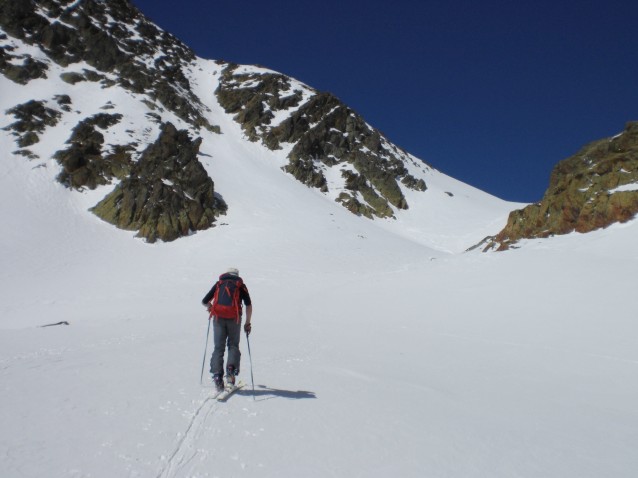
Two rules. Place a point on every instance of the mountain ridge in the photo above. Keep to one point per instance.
(145, 79)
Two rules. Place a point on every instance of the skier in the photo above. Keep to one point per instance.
(224, 304)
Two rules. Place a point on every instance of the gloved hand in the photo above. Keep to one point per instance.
(247, 328)
(209, 309)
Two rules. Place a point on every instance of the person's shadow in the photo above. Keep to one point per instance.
(265, 393)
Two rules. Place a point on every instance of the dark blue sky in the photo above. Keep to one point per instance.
(493, 93)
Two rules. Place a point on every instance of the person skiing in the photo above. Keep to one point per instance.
(224, 304)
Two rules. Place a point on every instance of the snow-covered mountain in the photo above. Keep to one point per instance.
(97, 93)
(379, 347)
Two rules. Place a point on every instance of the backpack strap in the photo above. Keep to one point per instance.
(237, 298)
(214, 301)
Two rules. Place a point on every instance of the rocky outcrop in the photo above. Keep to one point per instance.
(324, 133)
(84, 163)
(168, 194)
(32, 118)
(254, 98)
(20, 68)
(596, 187)
(113, 38)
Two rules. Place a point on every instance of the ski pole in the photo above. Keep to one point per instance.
(201, 377)
(250, 358)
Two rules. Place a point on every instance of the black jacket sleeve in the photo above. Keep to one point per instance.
(244, 295)
(208, 297)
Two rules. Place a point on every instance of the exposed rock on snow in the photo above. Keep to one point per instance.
(84, 162)
(321, 133)
(168, 193)
(112, 37)
(585, 192)
(32, 118)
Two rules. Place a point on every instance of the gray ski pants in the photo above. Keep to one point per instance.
(225, 332)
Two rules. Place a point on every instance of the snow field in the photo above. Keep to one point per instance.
(364, 364)
(378, 347)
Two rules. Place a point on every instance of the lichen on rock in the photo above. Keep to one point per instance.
(168, 193)
(589, 190)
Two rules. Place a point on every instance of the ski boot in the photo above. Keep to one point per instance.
(231, 372)
(219, 382)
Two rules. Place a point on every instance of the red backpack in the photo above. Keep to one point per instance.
(227, 298)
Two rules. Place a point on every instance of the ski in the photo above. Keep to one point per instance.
(228, 391)
(217, 393)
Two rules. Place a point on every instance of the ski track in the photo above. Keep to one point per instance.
(185, 450)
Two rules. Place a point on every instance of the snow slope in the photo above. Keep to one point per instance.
(378, 348)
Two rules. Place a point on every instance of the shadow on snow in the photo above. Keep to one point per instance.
(265, 393)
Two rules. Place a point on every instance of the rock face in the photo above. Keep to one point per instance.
(84, 163)
(112, 37)
(594, 188)
(168, 193)
(26, 70)
(321, 133)
(32, 118)
(161, 191)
